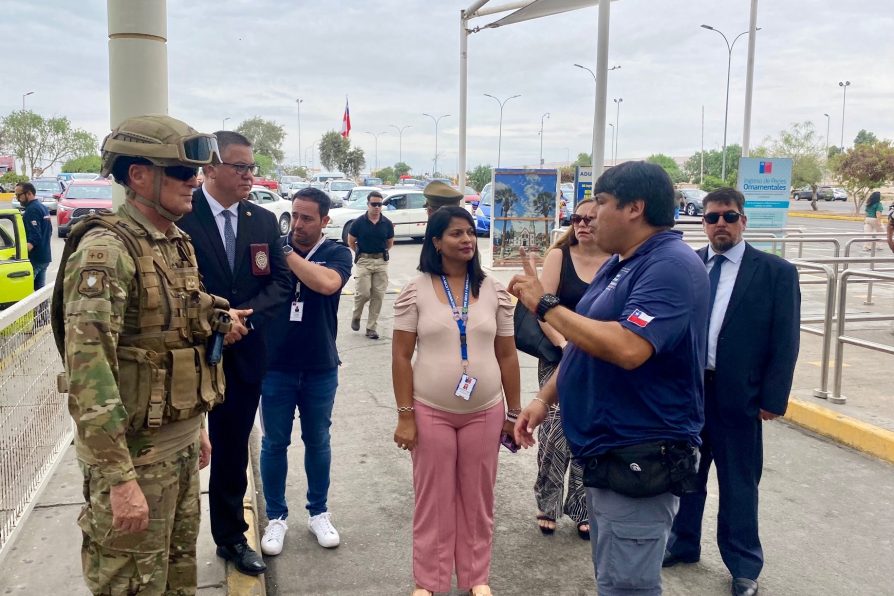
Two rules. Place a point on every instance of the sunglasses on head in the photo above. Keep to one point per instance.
(182, 173)
(728, 217)
(377, 204)
(576, 219)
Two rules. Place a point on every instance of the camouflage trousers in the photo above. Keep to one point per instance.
(160, 560)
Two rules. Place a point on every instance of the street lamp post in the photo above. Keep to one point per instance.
(729, 62)
(436, 121)
(546, 115)
(500, 135)
(223, 124)
(24, 95)
(592, 74)
(844, 87)
(298, 102)
(400, 140)
(617, 101)
(828, 122)
(375, 135)
(612, 150)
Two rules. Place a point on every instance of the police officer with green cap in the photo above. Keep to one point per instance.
(437, 195)
(141, 339)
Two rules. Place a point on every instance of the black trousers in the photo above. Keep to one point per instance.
(737, 451)
(229, 426)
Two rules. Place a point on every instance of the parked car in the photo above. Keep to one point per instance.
(823, 193)
(691, 200)
(483, 210)
(16, 273)
(266, 183)
(289, 185)
(356, 197)
(404, 207)
(48, 191)
(326, 177)
(80, 199)
(372, 181)
(338, 190)
(274, 203)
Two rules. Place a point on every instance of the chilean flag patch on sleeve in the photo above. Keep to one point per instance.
(639, 318)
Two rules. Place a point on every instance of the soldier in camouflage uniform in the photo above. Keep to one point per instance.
(133, 324)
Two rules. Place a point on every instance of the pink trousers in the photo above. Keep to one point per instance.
(454, 472)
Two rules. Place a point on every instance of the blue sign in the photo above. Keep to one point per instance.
(766, 183)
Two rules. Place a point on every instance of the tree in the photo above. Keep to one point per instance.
(544, 202)
(566, 174)
(87, 163)
(37, 140)
(299, 171)
(864, 137)
(401, 169)
(802, 144)
(670, 166)
(266, 167)
(387, 174)
(354, 162)
(714, 165)
(864, 168)
(583, 159)
(266, 137)
(333, 150)
(478, 177)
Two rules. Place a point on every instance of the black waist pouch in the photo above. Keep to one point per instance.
(644, 470)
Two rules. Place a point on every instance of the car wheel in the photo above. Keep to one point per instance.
(284, 221)
(418, 238)
(691, 210)
(344, 232)
(828, 199)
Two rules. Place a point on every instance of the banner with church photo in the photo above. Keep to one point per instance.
(523, 214)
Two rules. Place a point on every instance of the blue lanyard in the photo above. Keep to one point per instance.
(461, 318)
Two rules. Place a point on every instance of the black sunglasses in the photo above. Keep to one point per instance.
(182, 173)
(576, 219)
(728, 217)
(375, 204)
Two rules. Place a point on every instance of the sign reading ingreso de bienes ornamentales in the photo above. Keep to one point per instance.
(766, 183)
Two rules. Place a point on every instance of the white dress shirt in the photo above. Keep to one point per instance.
(724, 290)
(217, 209)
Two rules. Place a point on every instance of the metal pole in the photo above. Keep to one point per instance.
(701, 175)
(598, 145)
(546, 115)
(400, 140)
(612, 152)
(463, 96)
(298, 101)
(500, 136)
(617, 101)
(223, 125)
(749, 80)
(137, 43)
(435, 165)
(24, 95)
(844, 86)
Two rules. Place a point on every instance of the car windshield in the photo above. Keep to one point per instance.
(341, 186)
(694, 193)
(89, 192)
(373, 181)
(84, 176)
(47, 186)
(290, 179)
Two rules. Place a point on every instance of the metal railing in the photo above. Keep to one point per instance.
(826, 331)
(35, 426)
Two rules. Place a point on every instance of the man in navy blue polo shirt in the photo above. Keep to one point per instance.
(302, 373)
(38, 230)
(632, 372)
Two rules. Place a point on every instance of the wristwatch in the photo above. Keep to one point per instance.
(287, 250)
(547, 302)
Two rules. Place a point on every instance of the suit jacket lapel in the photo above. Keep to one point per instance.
(743, 280)
(242, 239)
(210, 231)
(703, 254)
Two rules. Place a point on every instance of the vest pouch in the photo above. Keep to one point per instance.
(183, 387)
(213, 382)
(141, 386)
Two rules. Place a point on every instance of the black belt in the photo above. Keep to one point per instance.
(373, 255)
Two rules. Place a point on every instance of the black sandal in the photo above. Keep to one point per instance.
(543, 529)
(584, 534)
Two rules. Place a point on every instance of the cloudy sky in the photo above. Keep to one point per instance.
(396, 59)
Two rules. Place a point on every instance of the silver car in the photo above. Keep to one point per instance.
(48, 191)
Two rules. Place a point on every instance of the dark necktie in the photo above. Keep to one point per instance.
(230, 239)
(714, 279)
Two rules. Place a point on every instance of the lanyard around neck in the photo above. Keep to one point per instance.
(306, 258)
(461, 317)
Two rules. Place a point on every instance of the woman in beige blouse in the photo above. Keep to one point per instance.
(450, 404)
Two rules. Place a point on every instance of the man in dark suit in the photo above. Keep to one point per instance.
(753, 338)
(240, 259)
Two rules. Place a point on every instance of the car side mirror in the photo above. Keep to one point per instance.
(57, 196)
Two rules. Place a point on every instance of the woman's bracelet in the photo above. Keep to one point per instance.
(546, 405)
(402, 409)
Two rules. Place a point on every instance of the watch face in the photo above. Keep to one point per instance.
(286, 249)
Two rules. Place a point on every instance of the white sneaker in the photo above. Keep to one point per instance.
(274, 535)
(321, 527)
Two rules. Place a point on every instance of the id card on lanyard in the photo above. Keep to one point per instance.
(296, 313)
(466, 384)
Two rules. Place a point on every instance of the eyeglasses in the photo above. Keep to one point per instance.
(182, 173)
(244, 168)
(577, 219)
(375, 204)
(728, 217)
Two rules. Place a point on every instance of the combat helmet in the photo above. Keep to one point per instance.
(162, 141)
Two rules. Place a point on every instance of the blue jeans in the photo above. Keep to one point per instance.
(40, 275)
(313, 394)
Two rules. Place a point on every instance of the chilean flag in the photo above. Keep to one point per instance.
(346, 121)
(639, 318)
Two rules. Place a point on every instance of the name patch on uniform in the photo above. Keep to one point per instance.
(639, 318)
(260, 259)
(92, 283)
(98, 255)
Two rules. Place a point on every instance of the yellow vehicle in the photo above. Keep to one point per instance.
(16, 274)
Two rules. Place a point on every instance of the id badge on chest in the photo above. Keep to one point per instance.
(465, 387)
(297, 311)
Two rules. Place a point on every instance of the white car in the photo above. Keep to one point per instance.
(405, 207)
(356, 197)
(338, 190)
(272, 202)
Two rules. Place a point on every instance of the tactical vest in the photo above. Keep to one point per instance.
(163, 375)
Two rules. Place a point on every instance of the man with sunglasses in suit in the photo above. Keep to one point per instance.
(239, 255)
(753, 338)
(371, 237)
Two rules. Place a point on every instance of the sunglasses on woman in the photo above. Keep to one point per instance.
(576, 219)
(728, 217)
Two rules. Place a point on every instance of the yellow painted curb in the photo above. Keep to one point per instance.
(825, 216)
(239, 584)
(843, 429)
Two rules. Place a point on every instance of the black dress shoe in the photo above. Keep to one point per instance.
(245, 559)
(372, 334)
(742, 586)
(671, 559)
